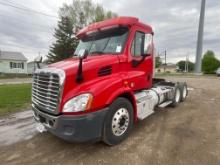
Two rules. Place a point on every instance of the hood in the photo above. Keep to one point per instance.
(90, 63)
(93, 67)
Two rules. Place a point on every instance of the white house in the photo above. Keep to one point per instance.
(12, 62)
(32, 66)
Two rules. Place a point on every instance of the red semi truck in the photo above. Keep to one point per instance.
(106, 87)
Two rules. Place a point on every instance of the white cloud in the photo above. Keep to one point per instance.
(181, 12)
(28, 32)
(175, 23)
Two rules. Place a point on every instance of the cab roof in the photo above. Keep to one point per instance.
(111, 23)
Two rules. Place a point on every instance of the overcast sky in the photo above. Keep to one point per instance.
(175, 23)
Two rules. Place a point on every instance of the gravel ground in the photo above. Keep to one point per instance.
(15, 81)
(187, 135)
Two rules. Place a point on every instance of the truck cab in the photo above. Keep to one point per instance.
(106, 87)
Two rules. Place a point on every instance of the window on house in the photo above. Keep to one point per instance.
(16, 65)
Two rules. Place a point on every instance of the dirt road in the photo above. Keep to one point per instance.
(187, 135)
(15, 81)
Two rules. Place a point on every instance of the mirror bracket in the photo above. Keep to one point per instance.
(38, 60)
(82, 55)
(135, 63)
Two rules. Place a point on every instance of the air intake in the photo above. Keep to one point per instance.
(107, 70)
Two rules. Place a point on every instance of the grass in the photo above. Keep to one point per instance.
(14, 98)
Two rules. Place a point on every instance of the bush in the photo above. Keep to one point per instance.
(181, 65)
(210, 63)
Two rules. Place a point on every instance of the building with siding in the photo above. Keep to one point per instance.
(12, 62)
(32, 66)
(169, 68)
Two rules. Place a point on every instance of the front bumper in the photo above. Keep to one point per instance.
(80, 128)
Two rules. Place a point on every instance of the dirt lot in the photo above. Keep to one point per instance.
(188, 134)
(16, 81)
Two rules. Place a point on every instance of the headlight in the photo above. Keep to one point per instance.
(79, 103)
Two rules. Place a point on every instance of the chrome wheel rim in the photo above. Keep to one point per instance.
(177, 97)
(120, 121)
(184, 92)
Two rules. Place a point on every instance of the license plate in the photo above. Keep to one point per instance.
(40, 127)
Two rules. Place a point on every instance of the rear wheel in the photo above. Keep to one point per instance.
(177, 96)
(184, 91)
(119, 121)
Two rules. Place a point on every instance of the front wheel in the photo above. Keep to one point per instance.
(119, 121)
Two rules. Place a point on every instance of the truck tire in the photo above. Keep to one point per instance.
(177, 96)
(184, 91)
(118, 122)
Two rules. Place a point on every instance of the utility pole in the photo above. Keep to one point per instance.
(187, 64)
(199, 49)
(165, 57)
(34, 67)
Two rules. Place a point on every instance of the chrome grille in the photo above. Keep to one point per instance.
(46, 90)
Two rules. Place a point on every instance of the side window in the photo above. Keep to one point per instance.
(11, 65)
(136, 44)
(148, 44)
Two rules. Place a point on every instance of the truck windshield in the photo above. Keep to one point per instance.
(104, 42)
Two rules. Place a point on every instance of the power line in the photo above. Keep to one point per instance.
(27, 9)
(21, 7)
(12, 2)
(48, 28)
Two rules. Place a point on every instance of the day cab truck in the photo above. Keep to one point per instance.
(106, 87)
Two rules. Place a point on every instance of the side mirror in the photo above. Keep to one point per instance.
(38, 59)
(146, 48)
(147, 45)
(83, 54)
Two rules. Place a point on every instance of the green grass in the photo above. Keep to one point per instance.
(14, 98)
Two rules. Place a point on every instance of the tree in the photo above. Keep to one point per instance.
(210, 63)
(65, 41)
(181, 65)
(84, 12)
(74, 17)
(158, 62)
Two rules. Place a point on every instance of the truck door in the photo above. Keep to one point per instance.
(141, 67)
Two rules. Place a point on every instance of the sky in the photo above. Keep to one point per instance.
(175, 23)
